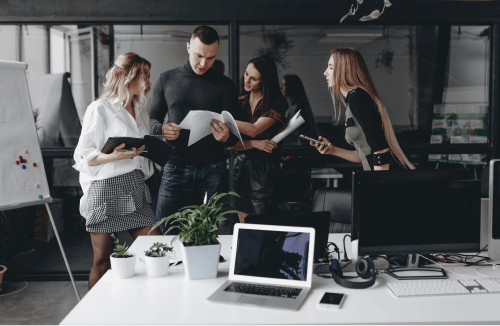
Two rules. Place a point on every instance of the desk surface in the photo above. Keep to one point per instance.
(176, 300)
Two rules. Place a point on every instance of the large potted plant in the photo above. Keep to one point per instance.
(122, 262)
(198, 236)
(157, 259)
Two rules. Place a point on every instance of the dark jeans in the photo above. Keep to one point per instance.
(183, 186)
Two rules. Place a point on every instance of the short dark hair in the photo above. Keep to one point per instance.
(206, 34)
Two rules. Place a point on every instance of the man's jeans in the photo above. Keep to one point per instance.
(184, 186)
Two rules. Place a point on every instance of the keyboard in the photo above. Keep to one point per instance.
(444, 287)
(269, 290)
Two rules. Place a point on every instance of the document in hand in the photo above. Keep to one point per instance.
(293, 124)
(198, 121)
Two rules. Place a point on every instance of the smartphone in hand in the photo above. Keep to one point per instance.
(311, 139)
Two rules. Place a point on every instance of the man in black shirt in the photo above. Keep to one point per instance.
(198, 169)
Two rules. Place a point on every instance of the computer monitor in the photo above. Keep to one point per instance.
(416, 212)
(320, 221)
(494, 211)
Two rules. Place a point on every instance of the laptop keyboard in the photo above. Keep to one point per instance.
(269, 290)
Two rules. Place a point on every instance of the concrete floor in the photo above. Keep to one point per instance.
(40, 303)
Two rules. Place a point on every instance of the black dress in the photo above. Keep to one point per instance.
(256, 173)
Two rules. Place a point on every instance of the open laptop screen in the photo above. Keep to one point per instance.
(272, 254)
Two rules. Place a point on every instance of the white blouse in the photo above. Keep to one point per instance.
(106, 118)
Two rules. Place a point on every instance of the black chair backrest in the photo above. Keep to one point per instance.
(337, 201)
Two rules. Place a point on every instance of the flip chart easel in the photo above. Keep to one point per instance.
(22, 172)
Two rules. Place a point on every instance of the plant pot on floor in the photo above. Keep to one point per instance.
(3, 269)
(123, 266)
(201, 262)
(157, 266)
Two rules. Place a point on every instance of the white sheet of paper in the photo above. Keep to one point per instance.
(198, 121)
(293, 124)
(231, 124)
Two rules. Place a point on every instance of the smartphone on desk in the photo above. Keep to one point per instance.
(311, 139)
(331, 300)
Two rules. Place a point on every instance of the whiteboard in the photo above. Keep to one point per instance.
(17, 135)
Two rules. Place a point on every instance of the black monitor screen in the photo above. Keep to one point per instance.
(272, 254)
(495, 197)
(404, 217)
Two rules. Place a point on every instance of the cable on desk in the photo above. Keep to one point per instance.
(442, 266)
(335, 249)
(345, 251)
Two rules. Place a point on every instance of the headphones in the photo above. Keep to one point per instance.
(364, 269)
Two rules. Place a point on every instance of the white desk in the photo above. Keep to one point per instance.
(327, 173)
(176, 300)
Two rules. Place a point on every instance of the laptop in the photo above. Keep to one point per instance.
(271, 266)
(320, 221)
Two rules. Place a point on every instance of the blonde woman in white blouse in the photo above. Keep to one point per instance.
(115, 197)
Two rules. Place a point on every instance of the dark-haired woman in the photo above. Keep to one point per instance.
(293, 90)
(257, 169)
(368, 127)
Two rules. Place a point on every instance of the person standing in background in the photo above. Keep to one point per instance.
(293, 90)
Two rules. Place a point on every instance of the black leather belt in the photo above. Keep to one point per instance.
(380, 159)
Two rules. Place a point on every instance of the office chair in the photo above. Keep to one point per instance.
(337, 201)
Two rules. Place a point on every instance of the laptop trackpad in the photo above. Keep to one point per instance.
(252, 300)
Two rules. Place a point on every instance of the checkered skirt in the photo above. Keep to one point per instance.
(119, 203)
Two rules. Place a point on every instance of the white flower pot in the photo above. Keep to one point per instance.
(123, 267)
(201, 262)
(157, 266)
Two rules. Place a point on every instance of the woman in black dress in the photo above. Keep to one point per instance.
(368, 127)
(257, 168)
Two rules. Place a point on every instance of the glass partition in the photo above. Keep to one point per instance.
(415, 69)
(164, 45)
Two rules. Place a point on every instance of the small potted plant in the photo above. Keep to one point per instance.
(198, 236)
(158, 260)
(122, 262)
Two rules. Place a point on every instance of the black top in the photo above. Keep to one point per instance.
(276, 112)
(181, 90)
(366, 112)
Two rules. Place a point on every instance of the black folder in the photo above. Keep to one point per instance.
(158, 150)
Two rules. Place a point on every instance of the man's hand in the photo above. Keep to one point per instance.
(171, 130)
(219, 130)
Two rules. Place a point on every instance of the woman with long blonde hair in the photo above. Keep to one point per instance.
(368, 127)
(115, 196)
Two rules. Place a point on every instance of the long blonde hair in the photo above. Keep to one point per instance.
(350, 71)
(126, 68)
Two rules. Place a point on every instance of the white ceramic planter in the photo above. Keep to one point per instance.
(157, 266)
(123, 267)
(201, 262)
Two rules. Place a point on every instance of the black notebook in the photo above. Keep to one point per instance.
(157, 150)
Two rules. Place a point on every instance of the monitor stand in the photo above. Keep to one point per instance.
(413, 272)
(490, 271)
